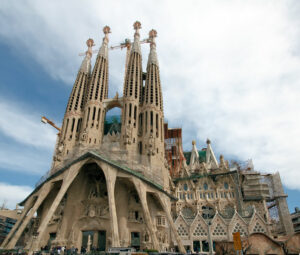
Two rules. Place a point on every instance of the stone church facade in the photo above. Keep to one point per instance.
(112, 185)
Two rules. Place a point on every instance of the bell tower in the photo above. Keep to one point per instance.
(72, 122)
(132, 95)
(152, 116)
(94, 112)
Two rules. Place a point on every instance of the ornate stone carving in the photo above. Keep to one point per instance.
(57, 216)
(128, 135)
(151, 145)
(97, 203)
(83, 136)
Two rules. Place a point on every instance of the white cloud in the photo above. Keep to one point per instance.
(10, 195)
(24, 159)
(230, 70)
(24, 126)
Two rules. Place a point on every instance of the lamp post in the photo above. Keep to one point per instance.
(206, 213)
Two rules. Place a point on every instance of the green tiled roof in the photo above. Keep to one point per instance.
(112, 124)
(202, 156)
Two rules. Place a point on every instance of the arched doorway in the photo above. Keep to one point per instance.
(87, 210)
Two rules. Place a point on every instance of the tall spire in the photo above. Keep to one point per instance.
(72, 122)
(97, 91)
(133, 81)
(132, 94)
(153, 93)
(152, 111)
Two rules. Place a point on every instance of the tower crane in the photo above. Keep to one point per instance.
(126, 44)
(47, 121)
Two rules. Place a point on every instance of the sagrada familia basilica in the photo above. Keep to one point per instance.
(128, 183)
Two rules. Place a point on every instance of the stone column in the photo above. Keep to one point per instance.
(28, 205)
(69, 177)
(41, 197)
(111, 175)
(141, 189)
(167, 210)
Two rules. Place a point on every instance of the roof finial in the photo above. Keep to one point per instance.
(90, 44)
(86, 62)
(208, 141)
(152, 35)
(136, 47)
(193, 142)
(137, 26)
(106, 31)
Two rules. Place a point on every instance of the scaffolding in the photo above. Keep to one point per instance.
(173, 150)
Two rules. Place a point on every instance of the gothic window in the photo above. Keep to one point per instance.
(161, 221)
(182, 231)
(94, 113)
(146, 122)
(239, 228)
(66, 129)
(156, 124)
(134, 112)
(226, 186)
(88, 116)
(151, 118)
(199, 231)
(205, 186)
(258, 228)
(78, 125)
(219, 231)
(73, 123)
(185, 187)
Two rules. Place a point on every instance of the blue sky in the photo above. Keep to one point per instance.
(229, 73)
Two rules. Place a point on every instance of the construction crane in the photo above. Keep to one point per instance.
(47, 121)
(126, 44)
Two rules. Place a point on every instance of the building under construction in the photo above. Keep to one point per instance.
(126, 182)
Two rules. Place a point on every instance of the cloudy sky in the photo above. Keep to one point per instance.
(230, 72)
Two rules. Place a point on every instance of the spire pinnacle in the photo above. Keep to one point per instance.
(152, 35)
(106, 31)
(104, 49)
(86, 63)
(136, 47)
(137, 26)
(90, 44)
(152, 55)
